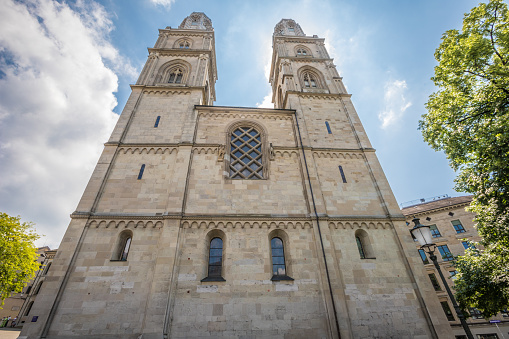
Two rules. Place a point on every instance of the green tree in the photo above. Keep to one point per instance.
(17, 255)
(468, 119)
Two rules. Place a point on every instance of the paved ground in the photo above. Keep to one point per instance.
(7, 333)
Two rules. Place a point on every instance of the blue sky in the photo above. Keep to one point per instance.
(66, 66)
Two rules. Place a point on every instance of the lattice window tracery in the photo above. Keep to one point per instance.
(310, 80)
(176, 76)
(246, 155)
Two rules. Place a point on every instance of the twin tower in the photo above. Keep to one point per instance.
(204, 221)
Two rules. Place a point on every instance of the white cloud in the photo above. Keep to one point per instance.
(395, 103)
(164, 3)
(56, 101)
(267, 102)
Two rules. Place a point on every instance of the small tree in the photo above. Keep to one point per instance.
(18, 257)
(468, 119)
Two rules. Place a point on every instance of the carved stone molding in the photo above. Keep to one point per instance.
(286, 153)
(205, 149)
(118, 223)
(338, 155)
(148, 150)
(245, 116)
(169, 91)
(206, 224)
(359, 224)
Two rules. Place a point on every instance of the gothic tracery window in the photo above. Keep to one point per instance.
(309, 80)
(246, 156)
(184, 44)
(176, 76)
(301, 51)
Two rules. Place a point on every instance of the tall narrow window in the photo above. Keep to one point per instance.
(142, 169)
(328, 127)
(123, 245)
(423, 257)
(360, 247)
(215, 258)
(246, 158)
(447, 310)
(342, 174)
(176, 76)
(29, 308)
(278, 260)
(157, 121)
(434, 282)
(364, 244)
(47, 269)
(38, 288)
(435, 233)
(125, 250)
(446, 254)
(453, 274)
(458, 227)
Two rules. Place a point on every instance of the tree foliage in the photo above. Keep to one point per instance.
(468, 119)
(17, 255)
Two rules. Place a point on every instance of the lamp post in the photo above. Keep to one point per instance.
(423, 235)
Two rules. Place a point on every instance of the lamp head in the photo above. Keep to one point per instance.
(422, 233)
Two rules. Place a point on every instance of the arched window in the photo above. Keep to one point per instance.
(364, 245)
(47, 268)
(278, 259)
(309, 80)
(38, 288)
(280, 98)
(29, 308)
(183, 43)
(246, 155)
(176, 75)
(301, 52)
(123, 245)
(215, 264)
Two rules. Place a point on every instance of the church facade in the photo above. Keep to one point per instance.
(227, 222)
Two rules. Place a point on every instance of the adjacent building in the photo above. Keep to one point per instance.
(15, 304)
(453, 230)
(237, 222)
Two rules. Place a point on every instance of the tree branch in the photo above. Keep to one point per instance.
(493, 41)
(489, 79)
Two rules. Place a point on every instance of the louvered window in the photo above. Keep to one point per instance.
(246, 159)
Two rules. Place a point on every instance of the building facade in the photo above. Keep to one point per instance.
(209, 221)
(13, 305)
(452, 228)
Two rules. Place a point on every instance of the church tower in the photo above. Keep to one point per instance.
(212, 221)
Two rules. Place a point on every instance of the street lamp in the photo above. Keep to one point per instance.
(423, 235)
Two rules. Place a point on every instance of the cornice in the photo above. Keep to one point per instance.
(233, 109)
(334, 96)
(186, 32)
(299, 39)
(436, 210)
(305, 58)
(179, 51)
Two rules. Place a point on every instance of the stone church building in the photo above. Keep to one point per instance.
(204, 221)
